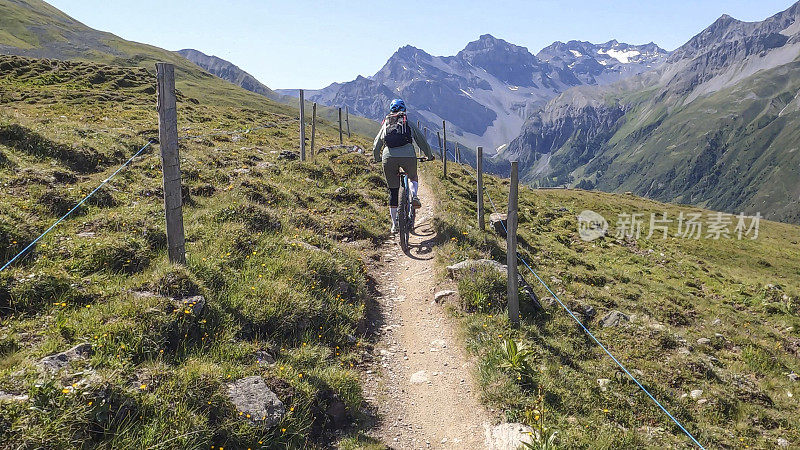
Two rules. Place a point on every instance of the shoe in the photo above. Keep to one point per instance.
(395, 226)
(415, 202)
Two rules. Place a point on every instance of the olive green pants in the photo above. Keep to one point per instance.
(391, 169)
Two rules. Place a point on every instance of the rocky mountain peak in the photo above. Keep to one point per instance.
(408, 53)
(510, 63)
(748, 38)
(487, 43)
(722, 24)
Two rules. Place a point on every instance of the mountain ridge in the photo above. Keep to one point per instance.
(713, 126)
(485, 91)
(229, 72)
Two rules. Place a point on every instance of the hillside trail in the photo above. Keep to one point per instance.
(420, 384)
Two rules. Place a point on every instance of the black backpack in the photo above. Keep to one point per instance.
(398, 131)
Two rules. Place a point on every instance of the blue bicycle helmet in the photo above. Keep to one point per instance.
(397, 105)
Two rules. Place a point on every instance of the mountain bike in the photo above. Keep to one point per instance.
(406, 214)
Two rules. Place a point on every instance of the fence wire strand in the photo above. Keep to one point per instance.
(62, 218)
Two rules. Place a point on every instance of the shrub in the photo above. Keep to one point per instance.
(126, 255)
(482, 289)
(31, 294)
(256, 218)
(516, 357)
(81, 159)
(13, 237)
(175, 281)
(4, 161)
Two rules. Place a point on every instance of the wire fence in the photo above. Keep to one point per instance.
(76, 207)
(224, 133)
(445, 153)
(151, 141)
(582, 326)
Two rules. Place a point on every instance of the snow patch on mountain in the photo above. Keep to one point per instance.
(622, 56)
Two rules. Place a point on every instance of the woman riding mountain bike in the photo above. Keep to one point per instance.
(394, 146)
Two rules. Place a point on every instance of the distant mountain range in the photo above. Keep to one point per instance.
(229, 72)
(488, 89)
(716, 125)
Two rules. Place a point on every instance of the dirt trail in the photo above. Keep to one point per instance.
(420, 383)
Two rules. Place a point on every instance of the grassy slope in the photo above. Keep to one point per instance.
(34, 28)
(673, 289)
(733, 150)
(157, 374)
(747, 152)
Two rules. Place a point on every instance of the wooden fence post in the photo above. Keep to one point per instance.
(341, 140)
(347, 120)
(313, 127)
(439, 137)
(511, 247)
(170, 162)
(479, 169)
(444, 147)
(302, 126)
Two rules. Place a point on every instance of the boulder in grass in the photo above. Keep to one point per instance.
(337, 413)
(54, 363)
(255, 401)
(508, 436)
(499, 222)
(306, 245)
(614, 319)
(13, 398)
(288, 155)
(194, 304)
(264, 357)
(459, 269)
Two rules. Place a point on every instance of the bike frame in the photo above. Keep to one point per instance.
(406, 213)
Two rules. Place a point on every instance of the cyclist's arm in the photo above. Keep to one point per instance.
(377, 146)
(419, 139)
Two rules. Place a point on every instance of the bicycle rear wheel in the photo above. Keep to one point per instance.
(412, 214)
(404, 217)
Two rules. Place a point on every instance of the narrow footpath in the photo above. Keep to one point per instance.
(420, 382)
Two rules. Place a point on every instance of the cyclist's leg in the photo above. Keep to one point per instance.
(410, 166)
(391, 169)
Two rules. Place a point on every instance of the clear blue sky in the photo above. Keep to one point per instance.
(309, 44)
